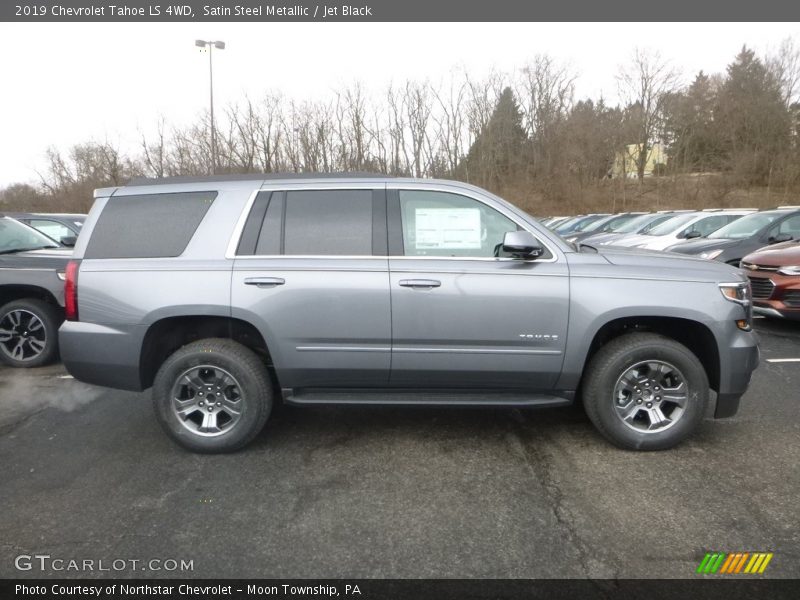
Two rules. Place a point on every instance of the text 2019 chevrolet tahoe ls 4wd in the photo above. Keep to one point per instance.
(220, 294)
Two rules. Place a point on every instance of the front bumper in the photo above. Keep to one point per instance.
(736, 368)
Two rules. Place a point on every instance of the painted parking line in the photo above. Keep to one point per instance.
(66, 377)
(783, 360)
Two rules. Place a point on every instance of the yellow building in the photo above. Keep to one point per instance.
(625, 163)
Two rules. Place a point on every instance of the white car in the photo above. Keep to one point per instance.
(686, 227)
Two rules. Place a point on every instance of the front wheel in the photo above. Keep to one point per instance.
(644, 391)
(212, 396)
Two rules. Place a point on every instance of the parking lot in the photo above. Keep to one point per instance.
(397, 492)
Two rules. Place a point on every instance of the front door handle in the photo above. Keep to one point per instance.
(422, 284)
(264, 281)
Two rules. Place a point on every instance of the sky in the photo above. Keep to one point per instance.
(62, 84)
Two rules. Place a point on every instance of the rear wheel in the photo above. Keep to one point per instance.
(29, 333)
(645, 391)
(213, 395)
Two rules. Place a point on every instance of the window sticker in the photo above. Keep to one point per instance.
(447, 228)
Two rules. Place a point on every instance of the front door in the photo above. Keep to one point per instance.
(463, 315)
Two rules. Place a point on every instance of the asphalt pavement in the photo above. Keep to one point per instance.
(326, 492)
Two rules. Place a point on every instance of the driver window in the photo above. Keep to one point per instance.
(445, 224)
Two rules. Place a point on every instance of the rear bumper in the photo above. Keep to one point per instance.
(101, 355)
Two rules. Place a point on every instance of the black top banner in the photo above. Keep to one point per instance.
(398, 10)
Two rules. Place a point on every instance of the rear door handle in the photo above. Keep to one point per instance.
(420, 283)
(264, 281)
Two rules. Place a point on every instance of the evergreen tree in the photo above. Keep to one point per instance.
(499, 152)
(751, 117)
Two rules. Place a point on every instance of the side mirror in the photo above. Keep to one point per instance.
(522, 244)
(690, 235)
(781, 237)
(68, 241)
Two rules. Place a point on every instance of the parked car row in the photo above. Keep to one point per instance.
(766, 244)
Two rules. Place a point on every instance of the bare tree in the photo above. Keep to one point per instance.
(644, 84)
(785, 67)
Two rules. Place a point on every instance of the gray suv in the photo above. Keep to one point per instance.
(226, 294)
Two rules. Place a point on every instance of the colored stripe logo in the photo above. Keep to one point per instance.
(733, 563)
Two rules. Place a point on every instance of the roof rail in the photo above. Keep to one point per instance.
(247, 177)
(728, 208)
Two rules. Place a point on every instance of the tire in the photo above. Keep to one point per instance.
(234, 379)
(654, 365)
(29, 333)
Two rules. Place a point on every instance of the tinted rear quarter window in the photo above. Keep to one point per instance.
(148, 225)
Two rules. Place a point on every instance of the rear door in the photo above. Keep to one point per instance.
(311, 270)
(462, 313)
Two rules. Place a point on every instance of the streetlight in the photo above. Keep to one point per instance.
(219, 46)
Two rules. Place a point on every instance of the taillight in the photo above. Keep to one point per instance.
(71, 290)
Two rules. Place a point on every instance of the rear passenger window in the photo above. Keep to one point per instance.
(328, 222)
(148, 225)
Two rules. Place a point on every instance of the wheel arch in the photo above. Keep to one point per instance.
(168, 334)
(13, 292)
(693, 334)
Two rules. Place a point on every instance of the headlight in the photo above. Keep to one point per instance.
(738, 292)
(711, 254)
(795, 270)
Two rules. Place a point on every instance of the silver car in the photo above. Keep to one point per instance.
(226, 296)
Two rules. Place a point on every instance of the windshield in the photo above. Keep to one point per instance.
(671, 225)
(600, 224)
(569, 224)
(580, 225)
(616, 223)
(745, 227)
(14, 236)
(635, 225)
(588, 222)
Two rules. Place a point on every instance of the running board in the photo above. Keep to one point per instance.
(309, 396)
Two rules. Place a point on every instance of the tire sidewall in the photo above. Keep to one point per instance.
(49, 317)
(255, 401)
(604, 410)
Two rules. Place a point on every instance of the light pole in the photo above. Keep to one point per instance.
(219, 46)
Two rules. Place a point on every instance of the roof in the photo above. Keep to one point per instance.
(139, 181)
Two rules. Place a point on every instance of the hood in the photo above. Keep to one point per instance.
(701, 245)
(627, 240)
(655, 264)
(65, 253)
(779, 255)
(600, 238)
(51, 258)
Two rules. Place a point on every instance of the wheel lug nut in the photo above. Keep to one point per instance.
(219, 403)
(210, 408)
(638, 401)
(649, 405)
(202, 403)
